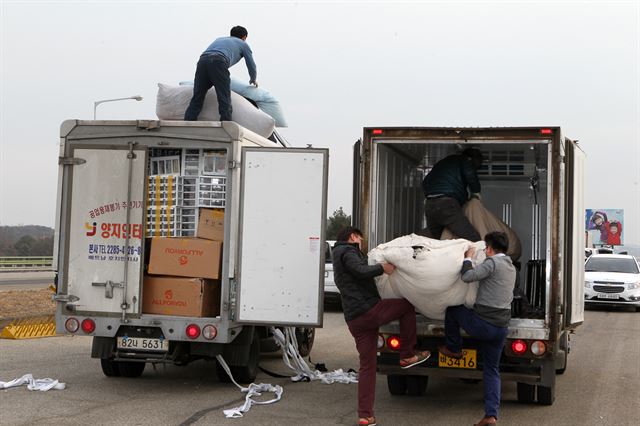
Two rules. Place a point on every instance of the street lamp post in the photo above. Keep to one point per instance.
(96, 103)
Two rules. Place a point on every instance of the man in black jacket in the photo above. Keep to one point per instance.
(446, 190)
(364, 312)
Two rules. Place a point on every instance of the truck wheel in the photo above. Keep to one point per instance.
(243, 373)
(562, 362)
(397, 384)
(546, 395)
(130, 368)
(109, 367)
(526, 393)
(417, 385)
(305, 338)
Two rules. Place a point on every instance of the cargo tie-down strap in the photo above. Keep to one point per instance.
(292, 358)
(33, 384)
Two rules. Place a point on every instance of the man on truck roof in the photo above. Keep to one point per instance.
(213, 70)
(488, 321)
(365, 312)
(445, 188)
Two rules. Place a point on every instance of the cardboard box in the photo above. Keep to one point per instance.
(186, 297)
(211, 224)
(185, 257)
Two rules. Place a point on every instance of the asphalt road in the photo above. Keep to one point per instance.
(28, 280)
(600, 387)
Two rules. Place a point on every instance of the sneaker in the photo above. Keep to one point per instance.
(417, 358)
(368, 421)
(487, 420)
(445, 351)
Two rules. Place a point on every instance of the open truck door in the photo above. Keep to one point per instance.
(574, 279)
(281, 236)
(103, 255)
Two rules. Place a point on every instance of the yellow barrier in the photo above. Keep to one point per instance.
(30, 328)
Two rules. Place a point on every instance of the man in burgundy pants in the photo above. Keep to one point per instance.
(364, 312)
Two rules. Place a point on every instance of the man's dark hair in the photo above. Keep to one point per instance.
(498, 241)
(239, 31)
(475, 155)
(345, 233)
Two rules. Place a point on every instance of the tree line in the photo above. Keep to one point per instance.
(30, 240)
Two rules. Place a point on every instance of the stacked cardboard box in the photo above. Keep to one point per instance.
(184, 273)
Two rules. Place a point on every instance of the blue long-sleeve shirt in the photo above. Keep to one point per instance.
(234, 49)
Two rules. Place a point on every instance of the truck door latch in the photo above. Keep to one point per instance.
(68, 298)
(109, 286)
(71, 161)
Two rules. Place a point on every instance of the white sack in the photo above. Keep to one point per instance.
(265, 100)
(428, 277)
(484, 221)
(172, 102)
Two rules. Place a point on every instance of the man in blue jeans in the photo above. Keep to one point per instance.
(488, 321)
(213, 70)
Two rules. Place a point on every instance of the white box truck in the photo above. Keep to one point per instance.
(533, 179)
(122, 182)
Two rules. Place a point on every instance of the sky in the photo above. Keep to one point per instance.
(336, 67)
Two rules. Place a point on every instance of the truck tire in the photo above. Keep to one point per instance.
(417, 385)
(526, 393)
(243, 373)
(397, 384)
(130, 368)
(305, 338)
(562, 362)
(546, 395)
(109, 367)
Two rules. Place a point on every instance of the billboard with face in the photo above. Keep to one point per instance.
(605, 226)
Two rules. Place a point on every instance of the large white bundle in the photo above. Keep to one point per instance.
(172, 102)
(427, 272)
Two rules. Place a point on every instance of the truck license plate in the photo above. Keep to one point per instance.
(607, 296)
(468, 360)
(143, 344)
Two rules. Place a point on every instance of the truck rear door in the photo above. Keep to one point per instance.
(103, 248)
(281, 236)
(574, 278)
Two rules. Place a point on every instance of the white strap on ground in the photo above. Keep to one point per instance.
(33, 384)
(292, 359)
(251, 391)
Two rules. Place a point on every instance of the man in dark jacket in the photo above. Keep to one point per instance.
(446, 190)
(489, 319)
(365, 312)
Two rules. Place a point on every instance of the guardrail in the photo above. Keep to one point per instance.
(26, 263)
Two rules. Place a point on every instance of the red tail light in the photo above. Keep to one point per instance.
(377, 131)
(88, 326)
(193, 331)
(519, 347)
(546, 131)
(393, 342)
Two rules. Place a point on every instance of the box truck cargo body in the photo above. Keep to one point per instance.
(196, 213)
(532, 178)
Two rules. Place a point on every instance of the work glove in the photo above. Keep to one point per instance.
(254, 82)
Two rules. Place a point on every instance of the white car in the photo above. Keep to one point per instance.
(331, 292)
(612, 279)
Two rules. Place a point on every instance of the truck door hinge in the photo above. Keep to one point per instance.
(233, 164)
(71, 161)
(67, 298)
(109, 286)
